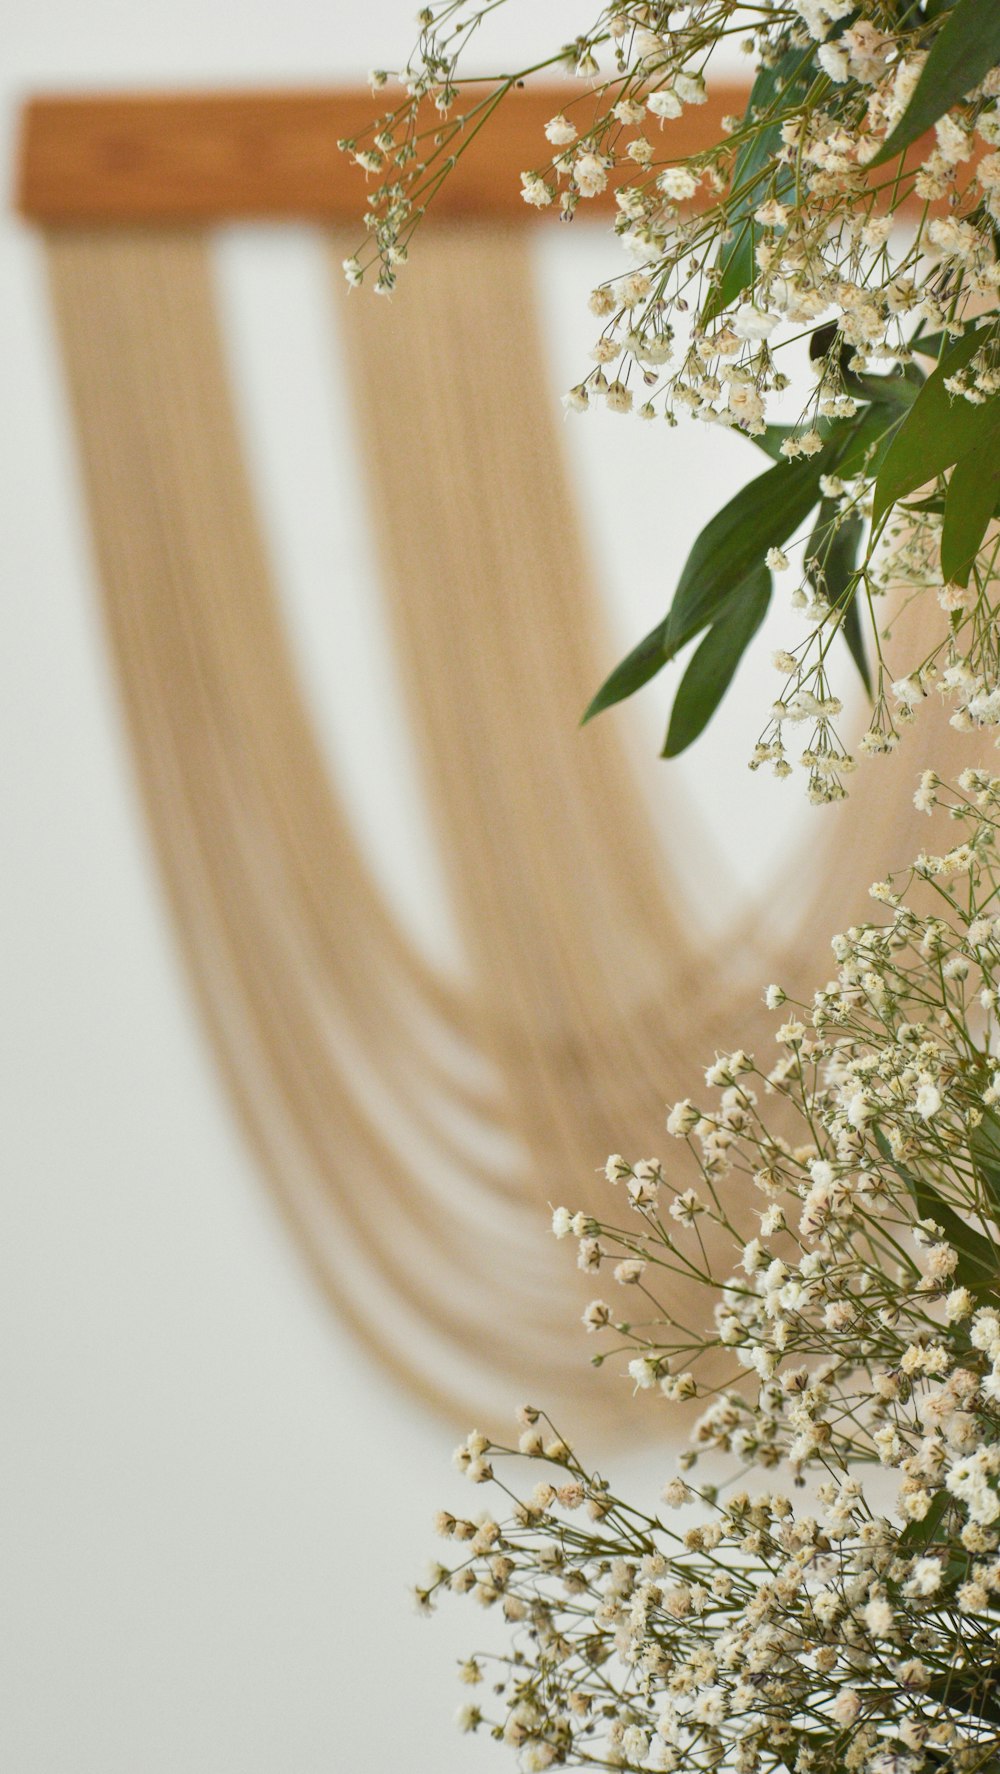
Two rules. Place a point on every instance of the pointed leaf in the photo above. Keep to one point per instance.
(710, 672)
(762, 516)
(899, 388)
(938, 428)
(771, 439)
(918, 1534)
(642, 663)
(831, 562)
(934, 505)
(978, 1267)
(931, 344)
(773, 91)
(851, 629)
(867, 443)
(733, 546)
(985, 1149)
(965, 50)
(968, 511)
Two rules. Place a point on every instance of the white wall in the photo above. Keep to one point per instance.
(210, 1506)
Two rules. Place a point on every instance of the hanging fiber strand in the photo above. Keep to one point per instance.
(414, 1128)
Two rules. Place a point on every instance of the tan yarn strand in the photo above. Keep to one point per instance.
(414, 1129)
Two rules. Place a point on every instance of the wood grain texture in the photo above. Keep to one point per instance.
(202, 157)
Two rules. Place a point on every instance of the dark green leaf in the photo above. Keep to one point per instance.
(965, 50)
(831, 562)
(771, 439)
(710, 672)
(774, 90)
(865, 444)
(934, 505)
(642, 663)
(937, 430)
(969, 505)
(822, 341)
(931, 344)
(973, 1690)
(978, 1268)
(851, 627)
(762, 516)
(985, 1149)
(918, 1534)
(732, 547)
(898, 389)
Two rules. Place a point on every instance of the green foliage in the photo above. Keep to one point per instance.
(973, 491)
(977, 1265)
(831, 564)
(751, 234)
(936, 433)
(964, 51)
(732, 546)
(985, 1149)
(711, 670)
(919, 1534)
(944, 431)
(724, 568)
(727, 555)
(774, 91)
(635, 669)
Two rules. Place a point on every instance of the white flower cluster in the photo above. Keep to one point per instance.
(856, 1327)
(828, 1601)
(779, 225)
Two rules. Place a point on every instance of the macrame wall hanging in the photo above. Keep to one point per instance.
(414, 1125)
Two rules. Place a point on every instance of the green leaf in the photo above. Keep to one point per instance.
(931, 344)
(642, 663)
(969, 505)
(965, 50)
(978, 1268)
(732, 547)
(831, 562)
(773, 90)
(851, 629)
(762, 515)
(937, 430)
(934, 505)
(771, 439)
(729, 550)
(984, 1146)
(918, 1534)
(972, 1690)
(866, 443)
(822, 340)
(710, 672)
(897, 389)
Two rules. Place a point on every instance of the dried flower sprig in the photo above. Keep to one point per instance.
(859, 1321)
(840, 1611)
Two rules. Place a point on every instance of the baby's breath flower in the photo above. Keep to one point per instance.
(851, 1318)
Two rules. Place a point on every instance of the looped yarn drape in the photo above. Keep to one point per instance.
(414, 1125)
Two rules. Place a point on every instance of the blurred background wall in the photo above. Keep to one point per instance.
(210, 1505)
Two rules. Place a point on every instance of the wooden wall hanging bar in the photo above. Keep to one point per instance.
(211, 157)
(161, 158)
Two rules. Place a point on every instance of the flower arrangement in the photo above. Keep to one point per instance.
(828, 1597)
(863, 1308)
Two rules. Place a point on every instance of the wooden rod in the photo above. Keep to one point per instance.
(205, 157)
